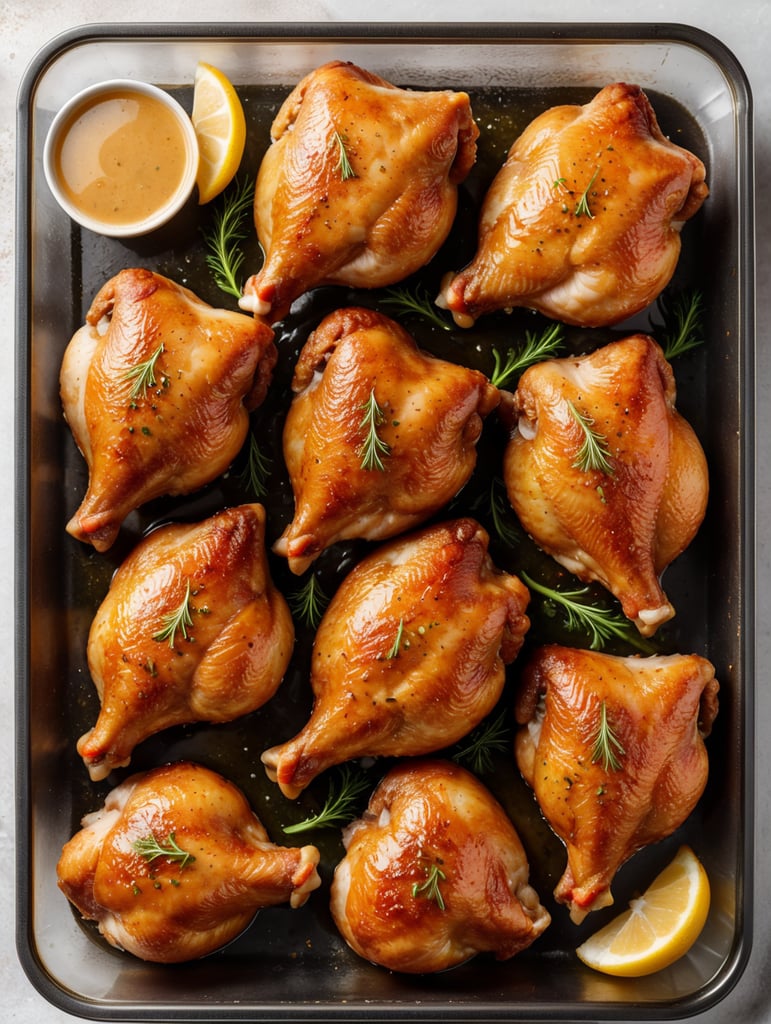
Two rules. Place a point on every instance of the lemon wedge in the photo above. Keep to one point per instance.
(659, 927)
(220, 125)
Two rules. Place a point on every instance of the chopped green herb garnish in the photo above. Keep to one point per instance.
(582, 206)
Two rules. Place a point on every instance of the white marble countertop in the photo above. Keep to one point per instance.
(742, 25)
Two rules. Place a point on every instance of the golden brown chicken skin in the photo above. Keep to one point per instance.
(359, 186)
(583, 220)
(176, 864)
(429, 416)
(621, 516)
(192, 629)
(613, 749)
(434, 873)
(157, 387)
(410, 654)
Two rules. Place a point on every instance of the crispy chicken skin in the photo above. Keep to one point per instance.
(410, 654)
(622, 524)
(605, 808)
(432, 415)
(359, 186)
(226, 658)
(178, 425)
(583, 220)
(434, 820)
(172, 909)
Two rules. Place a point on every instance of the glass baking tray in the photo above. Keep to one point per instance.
(292, 964)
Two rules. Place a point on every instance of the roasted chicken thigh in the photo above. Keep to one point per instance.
(359, 186)
(604, 473)
(379, 435)
(176, 864)
(410, 654)
(156, 387)
(583, 220)
(434, 873)
(613, 748)
(191, 629)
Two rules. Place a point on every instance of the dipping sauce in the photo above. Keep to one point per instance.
(121, 157)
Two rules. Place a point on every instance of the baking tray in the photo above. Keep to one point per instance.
(292, 964)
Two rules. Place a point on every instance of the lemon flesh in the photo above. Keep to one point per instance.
(659, 927)
(220, 126)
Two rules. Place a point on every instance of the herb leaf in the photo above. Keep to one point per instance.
(593, 453)
(255, 473)
(178, 619)
(373, 447)
(143, 375)
(418, 302)
(396, 645)
(537, 347)
(487, 739)
(224, 256)
(500, 510)
(344, 165)
(430, 887)
(582, 206)
(606, 748)
(309, 602)
(150, 849)
(602, 624)
(340, 806)
(683, 327)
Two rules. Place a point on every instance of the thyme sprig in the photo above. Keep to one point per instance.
(149, 848)
(607, 748)
(257, 469)
(344, 165)
(397, 644)
(178, 619)
(602, 624)
(593, 453)
(537, 347)
(340, 806)
(374, 447)
(309, 602)
(142, 376)
(224, 255)
(416, 302)
(582, 206)
(488, 739)
(683, 328)
(430, 886)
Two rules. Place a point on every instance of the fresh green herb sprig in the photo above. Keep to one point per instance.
(488, 739)
(500, 513)
(344, 165)
(582, 206)
(374, 448)
(309, 602)
(397, 644)
(224, 254)
(537, 347)
(593, 453)
(257, 469)
(142, 376)
(429, 888)
(607, 748)
(602, 624)
(341, 803)
(149, 848)
(683, 327)
(417, 302)
(178, 619)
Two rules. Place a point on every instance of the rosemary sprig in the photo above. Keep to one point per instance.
(489, 738)
(340, 806)
(224, 256)
(430, 886)
(150, 849)
(374, 446)
(602, 624)
(593, 453)
(606, 748)
(142, 375)
(178, 619)
(417, 302)
(537, 347)
(255, 473)
(396, 645)
(582, 206)
(500, 510)
(683, 327)
(309, 602)
(344, 166)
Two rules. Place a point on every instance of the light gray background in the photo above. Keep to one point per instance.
(744, 26)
